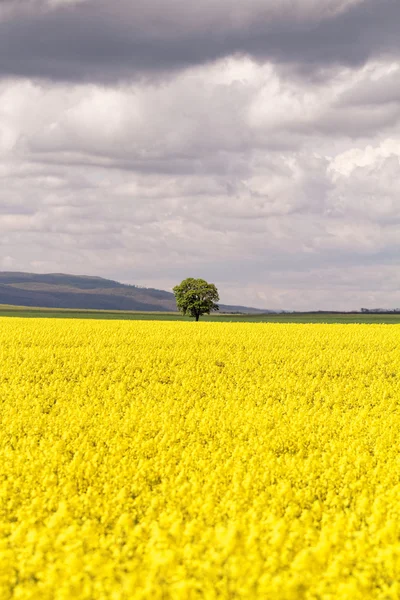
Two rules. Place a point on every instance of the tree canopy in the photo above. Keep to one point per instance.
(196, 297)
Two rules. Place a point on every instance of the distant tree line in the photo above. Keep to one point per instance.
(380, 310)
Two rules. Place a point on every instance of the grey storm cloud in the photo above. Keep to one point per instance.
(252, 142)
(98, 40)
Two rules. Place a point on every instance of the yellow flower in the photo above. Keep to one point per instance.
(198, 460)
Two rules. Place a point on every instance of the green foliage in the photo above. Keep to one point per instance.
(196, 297)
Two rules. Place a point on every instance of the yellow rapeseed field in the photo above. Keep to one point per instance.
(157, 460)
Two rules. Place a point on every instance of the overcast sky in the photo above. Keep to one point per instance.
(254, 143)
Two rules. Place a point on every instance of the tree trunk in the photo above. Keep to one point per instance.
(197, 317)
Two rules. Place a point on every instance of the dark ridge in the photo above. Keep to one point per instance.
(59, 290)
(82, 282)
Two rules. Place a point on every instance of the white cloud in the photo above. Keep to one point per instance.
(256, 179)
(369, 156)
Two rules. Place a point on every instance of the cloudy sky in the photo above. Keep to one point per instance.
(255, 143)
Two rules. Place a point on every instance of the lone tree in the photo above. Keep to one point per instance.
(196, 297)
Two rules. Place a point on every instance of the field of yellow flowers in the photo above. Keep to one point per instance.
(157, 460)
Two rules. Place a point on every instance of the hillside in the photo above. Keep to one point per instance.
(57, 290)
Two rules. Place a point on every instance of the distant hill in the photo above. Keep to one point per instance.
(57, 290)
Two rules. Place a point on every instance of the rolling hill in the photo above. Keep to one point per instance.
(58, 290)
